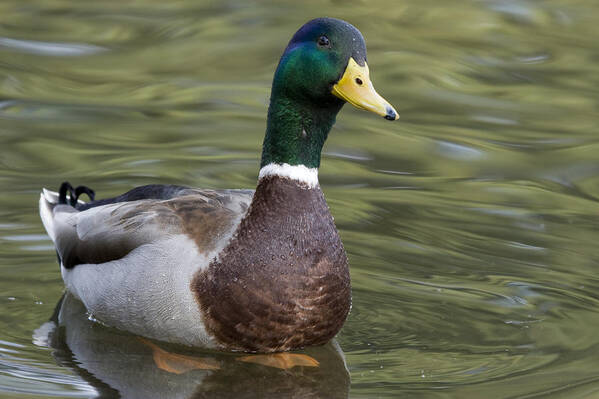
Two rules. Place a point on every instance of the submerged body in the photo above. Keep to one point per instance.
(259, 271)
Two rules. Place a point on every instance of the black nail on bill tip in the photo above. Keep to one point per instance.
(391, 115)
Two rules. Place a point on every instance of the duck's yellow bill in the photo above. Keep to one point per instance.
(356, 88)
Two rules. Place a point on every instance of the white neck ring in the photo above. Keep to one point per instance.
(301, 173)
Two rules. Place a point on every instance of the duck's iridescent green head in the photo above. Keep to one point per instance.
(323, 66)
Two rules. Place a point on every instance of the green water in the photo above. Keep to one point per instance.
(471, 225)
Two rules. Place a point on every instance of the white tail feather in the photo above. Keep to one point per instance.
(48, 200)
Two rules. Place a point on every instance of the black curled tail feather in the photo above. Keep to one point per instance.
(84, 190)
(62, 192)
(74, 193)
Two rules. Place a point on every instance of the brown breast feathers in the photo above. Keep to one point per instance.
(283, 280)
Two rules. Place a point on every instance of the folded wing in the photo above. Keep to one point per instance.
(108, 232)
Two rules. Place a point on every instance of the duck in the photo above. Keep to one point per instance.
(259, 270)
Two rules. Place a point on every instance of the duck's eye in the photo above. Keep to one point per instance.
(359, 81)
(323, 41)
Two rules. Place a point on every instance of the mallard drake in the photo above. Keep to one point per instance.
(257, 271)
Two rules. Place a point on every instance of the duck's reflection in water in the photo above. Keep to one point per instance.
(118, 364)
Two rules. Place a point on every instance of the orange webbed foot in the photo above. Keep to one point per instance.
(284, 361)
(179, 364)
